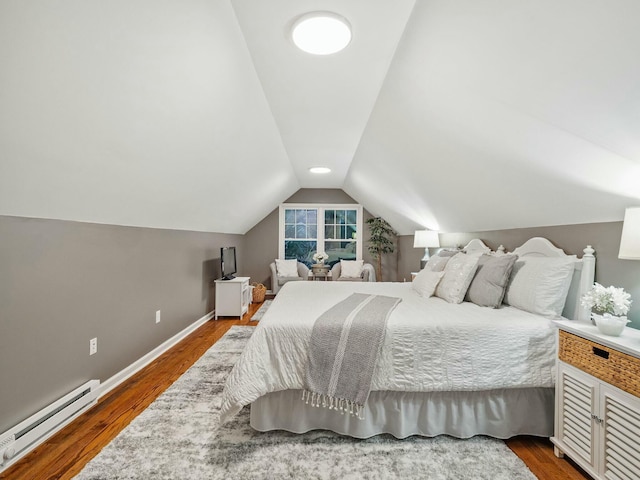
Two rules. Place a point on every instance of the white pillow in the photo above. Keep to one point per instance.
(540, 284)
(458, 274)
(426, 281)
(437, 263)
(351, 268)
(287, 268)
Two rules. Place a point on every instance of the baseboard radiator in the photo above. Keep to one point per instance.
(24, 437)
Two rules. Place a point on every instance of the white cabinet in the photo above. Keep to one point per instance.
(576, 407)
(596, 423)
(232, 297)
(621, 431)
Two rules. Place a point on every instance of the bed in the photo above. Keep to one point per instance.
(455, 369)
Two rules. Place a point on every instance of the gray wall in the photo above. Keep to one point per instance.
(262, 239)
(62, 283)
(603, 237)
(408, 258)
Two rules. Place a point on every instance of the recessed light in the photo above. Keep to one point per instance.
(321, 33)
(320, 170)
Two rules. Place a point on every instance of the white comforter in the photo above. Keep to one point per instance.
(430, 345)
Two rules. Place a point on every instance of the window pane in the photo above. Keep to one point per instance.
(301, 216)
(301, 223)
(300, 250)
(351, 216)
(312, 216)
(329, 232)
(340, 251)
(341, 217)
(289, 215)
(289, 231)
(329, 217)
(351, 232)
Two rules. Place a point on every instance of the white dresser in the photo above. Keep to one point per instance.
(232, 297)
(597, 417)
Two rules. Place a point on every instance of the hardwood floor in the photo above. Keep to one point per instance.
(65, 454)
(537, 453)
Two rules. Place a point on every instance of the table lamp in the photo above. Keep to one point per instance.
(630, 239)
(426, 239)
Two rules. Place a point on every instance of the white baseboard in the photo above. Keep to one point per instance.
(135, 367)
(114, 381)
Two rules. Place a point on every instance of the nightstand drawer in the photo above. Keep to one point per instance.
(607, 364)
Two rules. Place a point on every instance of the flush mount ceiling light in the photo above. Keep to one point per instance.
(321, 33)
(320, 170)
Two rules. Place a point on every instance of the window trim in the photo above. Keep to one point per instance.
(321, 207)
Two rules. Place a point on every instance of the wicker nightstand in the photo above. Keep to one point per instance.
(597, 417)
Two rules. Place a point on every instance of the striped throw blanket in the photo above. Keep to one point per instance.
(345, 345)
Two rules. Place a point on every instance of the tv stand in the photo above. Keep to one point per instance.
(228, 277)
(232, 297)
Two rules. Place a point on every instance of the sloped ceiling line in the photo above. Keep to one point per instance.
(321, 104)
(460, 116)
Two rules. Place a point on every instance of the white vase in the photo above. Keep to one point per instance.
(609, 324)
(594, 317)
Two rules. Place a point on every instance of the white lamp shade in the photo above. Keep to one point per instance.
(426, 239)
(630, 240)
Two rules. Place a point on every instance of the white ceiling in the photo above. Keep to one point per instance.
(321, 104)
(455, 115)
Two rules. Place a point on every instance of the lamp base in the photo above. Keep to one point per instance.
(425, 259)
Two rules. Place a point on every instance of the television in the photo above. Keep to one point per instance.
(228, 260)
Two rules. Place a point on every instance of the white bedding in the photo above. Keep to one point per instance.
(466, 347)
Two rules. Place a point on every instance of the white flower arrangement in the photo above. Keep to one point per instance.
(320, 257)
(611, 300)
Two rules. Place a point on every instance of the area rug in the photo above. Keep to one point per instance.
(179, 437)
(261, 311)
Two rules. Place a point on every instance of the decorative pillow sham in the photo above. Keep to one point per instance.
(426, 281)
(438, 262)
(351, 268)
(458, 274)
(540, 284)
(287, 268)
(490, 282)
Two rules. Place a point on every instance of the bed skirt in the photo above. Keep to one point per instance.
(497, 413)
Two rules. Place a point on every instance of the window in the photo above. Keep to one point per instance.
(306, 229)
(300, 233)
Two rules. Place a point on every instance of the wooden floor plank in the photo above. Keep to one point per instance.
(537, 453)
(65, 454)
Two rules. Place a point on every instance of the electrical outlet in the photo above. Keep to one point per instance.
(93, 346)
(157, 316)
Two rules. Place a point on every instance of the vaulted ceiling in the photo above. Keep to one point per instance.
(454, 115)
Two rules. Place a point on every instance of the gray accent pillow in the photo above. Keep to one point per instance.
(490, 283)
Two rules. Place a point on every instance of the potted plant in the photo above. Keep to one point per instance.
(609, 307)
(380, 241)
(319, 258)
